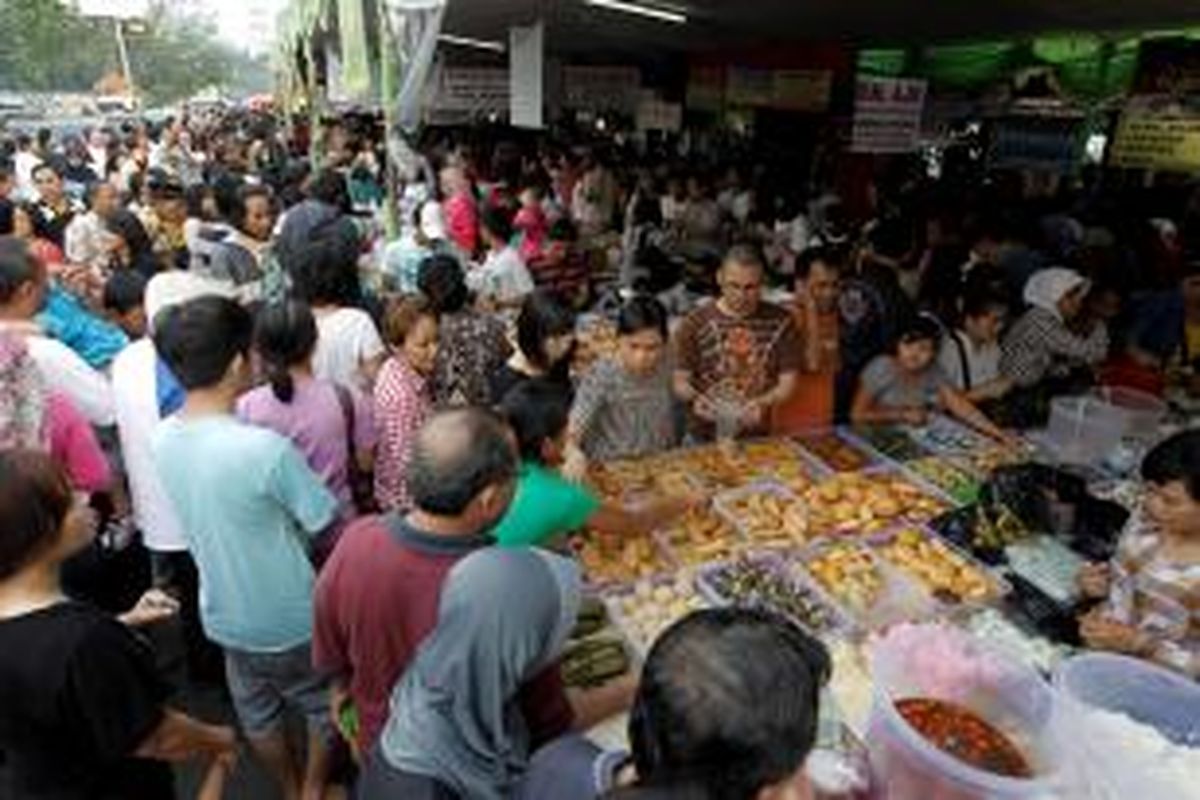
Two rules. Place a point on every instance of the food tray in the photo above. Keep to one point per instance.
(946, 478)
(782, 521)
(609, 561)
(944, 436)
(898, 598)
(777, 460)
(641, 611)
(962, 582)
(1049, 565)
(820, 615)
(701, 536)
(868, 502)
(630, 480)
(832, 451)
(889, 442)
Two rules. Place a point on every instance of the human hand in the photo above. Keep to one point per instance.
(703, 408)
(1102, 632)
(153, 606)
(914, 416)
(752, 415)
(575, 465)
(1094, 580)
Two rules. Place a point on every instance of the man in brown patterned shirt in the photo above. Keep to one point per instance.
(737, 357)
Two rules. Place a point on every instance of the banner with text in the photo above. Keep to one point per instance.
(887, 114)
(465, 93)
(1148, 141)
(1046, 144)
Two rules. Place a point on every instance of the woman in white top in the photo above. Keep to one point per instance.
(503, 279)
(970, 353)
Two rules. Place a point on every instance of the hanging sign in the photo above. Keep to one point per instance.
(887, 114)
(1037, 143)
(462, 93)
(801, 89)
(1163, 142)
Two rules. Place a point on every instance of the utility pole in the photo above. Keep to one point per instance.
(123, 54)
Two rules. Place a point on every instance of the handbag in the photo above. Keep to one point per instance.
(362, 482)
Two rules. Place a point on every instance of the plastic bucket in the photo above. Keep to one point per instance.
(943, 663)
(1083, 430)
(1138, 414)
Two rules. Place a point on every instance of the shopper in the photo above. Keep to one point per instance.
(86, 239)
(907, 385)
(330, 426)
(240, 257)
(402, 400)
(54, 209)
(124, 302)
(547, 505)
(970, 353)
(1053, 347)
(545, 344)
(502, 280)
(1149, 585)
(816, 317)
(82, 711)
(248, 505)
(455, 727)
(737, 356)
(624, 407)
(712, 720)
(460, 210)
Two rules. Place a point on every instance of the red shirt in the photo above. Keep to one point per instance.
(376, 601)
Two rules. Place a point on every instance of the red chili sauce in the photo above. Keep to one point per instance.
(964, 735)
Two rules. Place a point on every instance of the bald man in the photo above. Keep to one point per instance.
(377, 596)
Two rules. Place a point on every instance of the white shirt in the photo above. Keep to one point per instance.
(24, 164)
(503, 276)
(346, 338)
(64, 371)
(983, 362)
(135, 398)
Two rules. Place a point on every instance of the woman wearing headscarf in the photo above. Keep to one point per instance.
(455, 731)
(1053, 346)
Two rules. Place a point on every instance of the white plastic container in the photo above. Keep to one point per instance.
(1138, 414)
(1082, 430)
(943, 663)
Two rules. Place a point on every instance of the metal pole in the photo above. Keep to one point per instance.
(387, 97)
(123, 54)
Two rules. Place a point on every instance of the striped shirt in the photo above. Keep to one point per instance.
(1040, 345)
(619, 415)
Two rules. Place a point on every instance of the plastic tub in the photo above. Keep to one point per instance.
(896, 598)
(1082, 430)
(943, 663)
(1137, 413)
(1149, 694)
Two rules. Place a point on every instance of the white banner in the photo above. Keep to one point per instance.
(525, 51)
(464, 93)
(887, 114)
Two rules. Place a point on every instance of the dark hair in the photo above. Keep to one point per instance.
(563, 230)
(497, 222)
(195, 196)
(325, 268)
(285, 334)
(200, 338)
(244, 195)
(745, 255)
(920, 328)
(17, 267)
(124, 291)
(538, 411)
(125, 224)
(727, 704)
(813, 255)
(329, 186)
(7, 208)
(542, 317)
(642, 312)
(1175, 459)
(42, 167)
(977, 304)
(35, 497)
(456, 456)
(441, 280)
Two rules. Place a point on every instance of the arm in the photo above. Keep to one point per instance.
(593, 706)
(865, 411)
(991, 390)
(1090, 349)
(615, 519)
(179, 737)
(957, 404)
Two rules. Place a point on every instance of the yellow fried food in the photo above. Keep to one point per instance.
(866, 503)
(701, 536)
(849, 573)
(609, 559)
(770, 519)
(937, 566)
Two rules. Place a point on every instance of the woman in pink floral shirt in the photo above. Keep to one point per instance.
(402, 396)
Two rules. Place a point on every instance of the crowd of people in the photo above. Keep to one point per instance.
(353, 462)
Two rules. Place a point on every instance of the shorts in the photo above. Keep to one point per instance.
(263, 685)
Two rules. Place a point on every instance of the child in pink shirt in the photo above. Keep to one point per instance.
(532, 223)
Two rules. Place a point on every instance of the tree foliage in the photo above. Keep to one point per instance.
(47, 46)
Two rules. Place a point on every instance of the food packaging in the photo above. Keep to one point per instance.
(841, 571)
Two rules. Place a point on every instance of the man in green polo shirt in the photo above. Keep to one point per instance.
(546, 504)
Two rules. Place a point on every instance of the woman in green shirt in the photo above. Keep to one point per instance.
(547, 504)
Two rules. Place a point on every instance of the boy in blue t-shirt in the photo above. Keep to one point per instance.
(248, 505)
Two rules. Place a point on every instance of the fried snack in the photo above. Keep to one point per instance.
(956, 483)
(865, 503)
(943, 571)
(750, 583)
(618, 480)
(701, 536)
(769, 519)
(849, 573)
(777, 461)
(618, 559)
(653, 606)
(838, 455)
